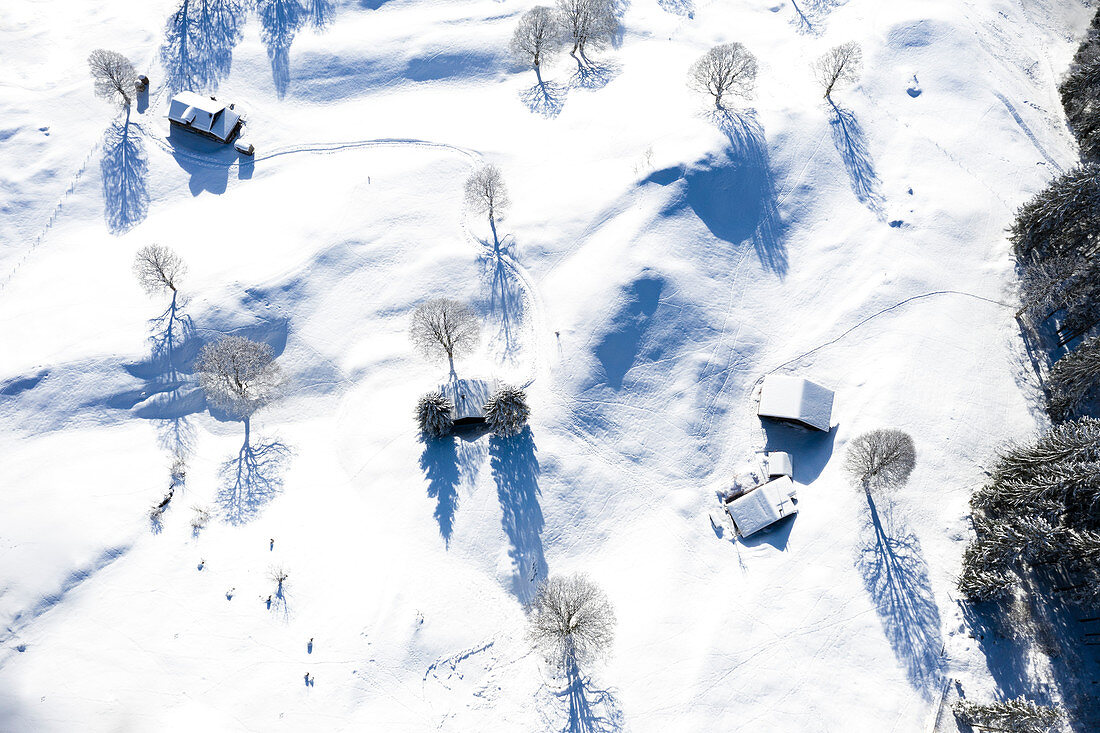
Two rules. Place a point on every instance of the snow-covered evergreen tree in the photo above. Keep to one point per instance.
(1074, 378)
(1063, 218)
(434, 414)
(507, 412)
(1013, 716)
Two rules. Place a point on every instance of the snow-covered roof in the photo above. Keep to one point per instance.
(777, 463)
(468, 396)
(763, 506)
(203, 114)
(793, 398)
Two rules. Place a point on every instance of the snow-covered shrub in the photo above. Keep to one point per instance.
(434, 414)
(201, 518)
(881, 459)
(1014, 716)
(506, 412)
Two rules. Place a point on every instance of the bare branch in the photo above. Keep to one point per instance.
(571, 620)
(158, 268)
(113, 75)
(486, 192)
(881, 459)
(537, 36)
(725, 69)
(239, 375)
(839, 65)
(444, 328)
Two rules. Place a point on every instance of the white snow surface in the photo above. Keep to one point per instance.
(656, 262)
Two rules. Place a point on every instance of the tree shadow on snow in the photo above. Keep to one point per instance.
(506, 294)
(678, 7)
(251, 480)
(545, 98)
(125, 170)
(810, 15)
(439, 462)
(593, 74)
(896, 576)
(851, 143)
(280, 21)
(589, 708)
(199, 39)
(515, 469)
(733, 193)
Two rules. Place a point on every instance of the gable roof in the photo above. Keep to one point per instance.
(763, 506)
(793, 398)
(203, 114)
(468, 396)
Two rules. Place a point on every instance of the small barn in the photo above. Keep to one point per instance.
(763, 506)
(468, 397)
(205, 116)
(796, 400)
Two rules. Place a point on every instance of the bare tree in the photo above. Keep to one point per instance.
(881, 459)
(444, 327)
(839, 65)
(487, 194)
(725, 69)
(434, 414)
(587, 23)
(537, 37)
(201, 518)
(113, 75)
(158, 268)
(571, 620)
(240, 376)
(507, 412)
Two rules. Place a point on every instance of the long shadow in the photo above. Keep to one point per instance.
(125, 169)
(593, 74)
(199, 39)
(252, 479)
(896, 575)
(734, 193)
(589, 709)
(280, 21)
(810, 15)
(506, 294)
(515, 469)
(206, 161)
(545, 98)
(439, 462)
(851, 143)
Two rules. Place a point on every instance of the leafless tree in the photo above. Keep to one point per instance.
(881, 459)
(158, 268)
(571, 620)
(113, 75)
(200, 519)
(240, 376)
(487, 194)
(537, 37)
(587, 23)
(725, 69)
(839, 65)
(444, 327)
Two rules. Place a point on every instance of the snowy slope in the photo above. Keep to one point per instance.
(657, 262)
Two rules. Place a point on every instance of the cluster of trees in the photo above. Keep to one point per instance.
(729, 69)
(1039, 508)
(444, 328)
(1056, 240)
(544, 31)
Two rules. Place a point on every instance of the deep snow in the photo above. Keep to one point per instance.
(657, 261)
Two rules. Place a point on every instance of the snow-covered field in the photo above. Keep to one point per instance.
(657, 261)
